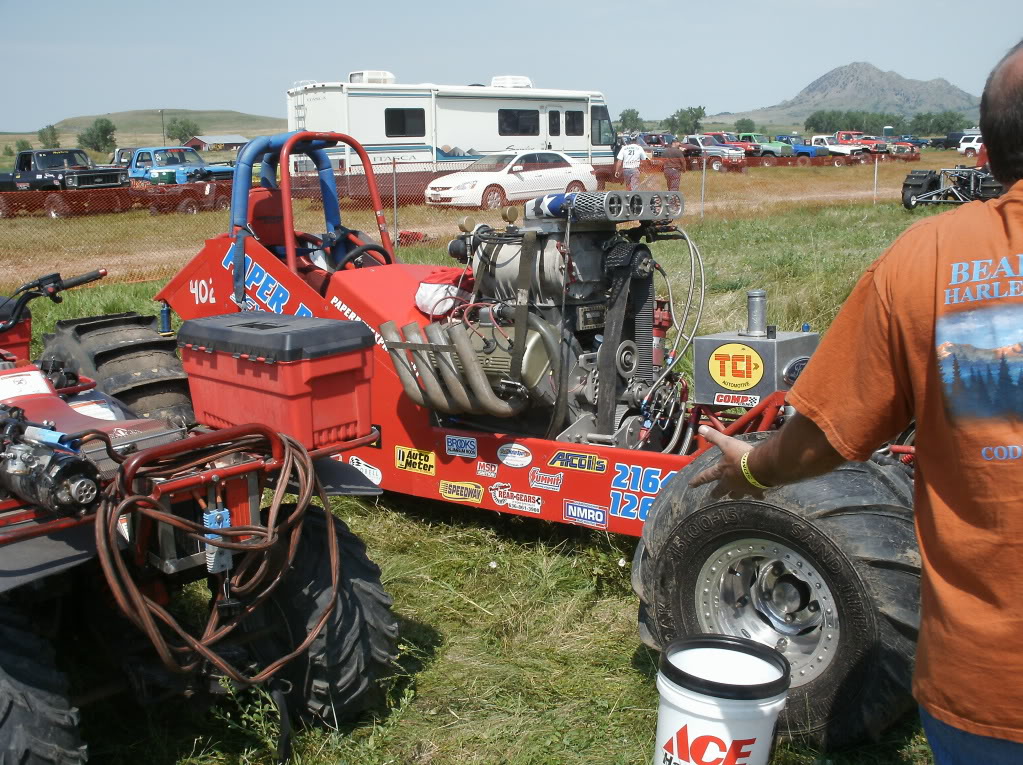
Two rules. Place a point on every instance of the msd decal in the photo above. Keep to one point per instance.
(587, 463)
(266, 293)
(460, 446)
(548, 481)
(585, 514)
(504, 495)
(486, 469)
(705, 750)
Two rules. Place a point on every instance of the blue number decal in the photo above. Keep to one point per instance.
(621, 479)
(644, 507)
(629, 505)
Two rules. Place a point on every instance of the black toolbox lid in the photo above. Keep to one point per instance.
(275, 337)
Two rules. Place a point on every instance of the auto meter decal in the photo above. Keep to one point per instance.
(504, 495)
(735, 366)
(461, 491)
(587, 463)
(374, 474)
(514, 455)
(548, 481)
(585, 514)
(460, 446)
(415, 460)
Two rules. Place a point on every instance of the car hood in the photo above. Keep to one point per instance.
(465, 176)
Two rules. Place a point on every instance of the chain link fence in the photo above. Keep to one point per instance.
(148, 232)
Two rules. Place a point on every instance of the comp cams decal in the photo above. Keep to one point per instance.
(514, 455)
(585, 514)
(504, 495)
(374, 474)
(415, 460)
(736, 399)
(460, 446)
(461, 491)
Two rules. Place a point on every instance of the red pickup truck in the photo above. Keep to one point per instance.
(874, 145)
(731, 139)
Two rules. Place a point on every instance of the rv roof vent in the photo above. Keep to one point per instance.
(372, 77)
(511, 81)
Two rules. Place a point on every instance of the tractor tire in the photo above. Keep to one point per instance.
(38, 725)
(55, 206)
(825, 570)
(128, 359)
(338, 678)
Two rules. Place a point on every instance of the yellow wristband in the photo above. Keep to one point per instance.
(744, 464)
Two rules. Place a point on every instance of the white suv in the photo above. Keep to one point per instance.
(969, 145)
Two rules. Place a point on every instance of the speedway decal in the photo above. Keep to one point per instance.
(461, 491)
(415, 460)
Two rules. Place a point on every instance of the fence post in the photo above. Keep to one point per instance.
(703, 185)
(876, 157)
(394, 198)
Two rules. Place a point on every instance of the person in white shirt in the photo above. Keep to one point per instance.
(628, 161)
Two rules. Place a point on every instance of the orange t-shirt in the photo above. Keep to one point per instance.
(934, 332)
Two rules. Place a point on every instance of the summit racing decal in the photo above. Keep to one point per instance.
(415, 460)
(587, 463)
(585, 514)
(548, 481)
(462, 491)
(460, 446)
(504, 495)
(263, 292)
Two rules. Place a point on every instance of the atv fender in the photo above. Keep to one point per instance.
(33, 559)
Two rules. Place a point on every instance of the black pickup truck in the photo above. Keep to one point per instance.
(59, 170)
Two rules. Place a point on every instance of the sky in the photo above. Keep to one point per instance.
(67, 58)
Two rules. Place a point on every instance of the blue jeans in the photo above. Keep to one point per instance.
(952, 746)
(631, 179)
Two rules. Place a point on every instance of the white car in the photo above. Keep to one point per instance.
(969, 145)
(493, 180)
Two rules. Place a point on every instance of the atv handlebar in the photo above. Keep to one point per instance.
(78, 281)
(49, 286)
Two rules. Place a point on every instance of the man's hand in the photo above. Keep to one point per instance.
(727, 471)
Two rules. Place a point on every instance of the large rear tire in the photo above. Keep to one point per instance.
(128, 359)
(38, 725)
(338, 677)
(825, 570)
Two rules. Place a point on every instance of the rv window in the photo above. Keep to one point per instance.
(404, 123)
(573, 123)
(554, 122)
(518, 122)
(601, 133)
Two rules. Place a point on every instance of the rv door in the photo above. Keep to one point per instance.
(553, 126)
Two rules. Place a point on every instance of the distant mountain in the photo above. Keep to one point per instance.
(862, 86)
(210, 122)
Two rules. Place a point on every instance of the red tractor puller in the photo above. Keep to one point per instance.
(524, 380)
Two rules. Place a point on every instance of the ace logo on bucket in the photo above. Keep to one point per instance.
(514, 455)
(706, 750)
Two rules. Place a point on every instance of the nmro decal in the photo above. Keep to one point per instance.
(585, 514)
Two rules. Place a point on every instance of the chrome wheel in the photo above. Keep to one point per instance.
(769, 592)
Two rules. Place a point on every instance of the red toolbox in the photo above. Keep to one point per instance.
(303, 376)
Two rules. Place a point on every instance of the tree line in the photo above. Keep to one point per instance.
(924, 123)
(100, 135)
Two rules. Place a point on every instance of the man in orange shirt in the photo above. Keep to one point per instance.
(933, 333)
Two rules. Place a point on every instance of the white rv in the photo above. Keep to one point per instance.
(441, 128)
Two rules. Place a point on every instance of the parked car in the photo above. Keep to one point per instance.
(719, 156)
(655, 143)
(872, 144)
(493, 180)
(750, 148)
(842, 153)
(969, 145)
(62, 182)
(951, 140)
(803, 148)
(913, 140)
(769, 149)
(170, 164)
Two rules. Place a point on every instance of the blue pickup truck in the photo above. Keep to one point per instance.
(801, 147)
(170, 164)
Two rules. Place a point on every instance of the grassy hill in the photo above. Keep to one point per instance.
(209, 121)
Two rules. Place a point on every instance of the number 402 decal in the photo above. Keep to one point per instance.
(629, 482)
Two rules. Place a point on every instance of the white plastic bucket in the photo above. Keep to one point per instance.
(720, 699)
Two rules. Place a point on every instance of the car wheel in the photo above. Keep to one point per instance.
(575, 187)
(494, 198)
(5, 209)
(803, 160)
(863, 158)
(56, 206)
(188, 207)
(716, 164)
(769, 160)
(971, 152)
(224, 203)
(838, 161)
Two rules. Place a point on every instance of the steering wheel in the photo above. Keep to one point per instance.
(376, 251)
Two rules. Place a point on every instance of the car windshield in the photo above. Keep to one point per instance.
(797, 140)
(710, 140)
(54, 160)
(758, 138)
(174, 157)
(490, 163)
(830, 140)
(731, 137)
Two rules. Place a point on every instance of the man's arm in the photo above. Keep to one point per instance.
(799, 450)
(618, 168)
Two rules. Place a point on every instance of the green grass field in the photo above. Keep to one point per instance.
(519, 641)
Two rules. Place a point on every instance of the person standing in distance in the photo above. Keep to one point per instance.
(627, 164)
(932, 334)
(674, 164)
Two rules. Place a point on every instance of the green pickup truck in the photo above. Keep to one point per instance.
(771, 150)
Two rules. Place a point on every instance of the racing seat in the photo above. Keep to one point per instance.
(266, 221)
